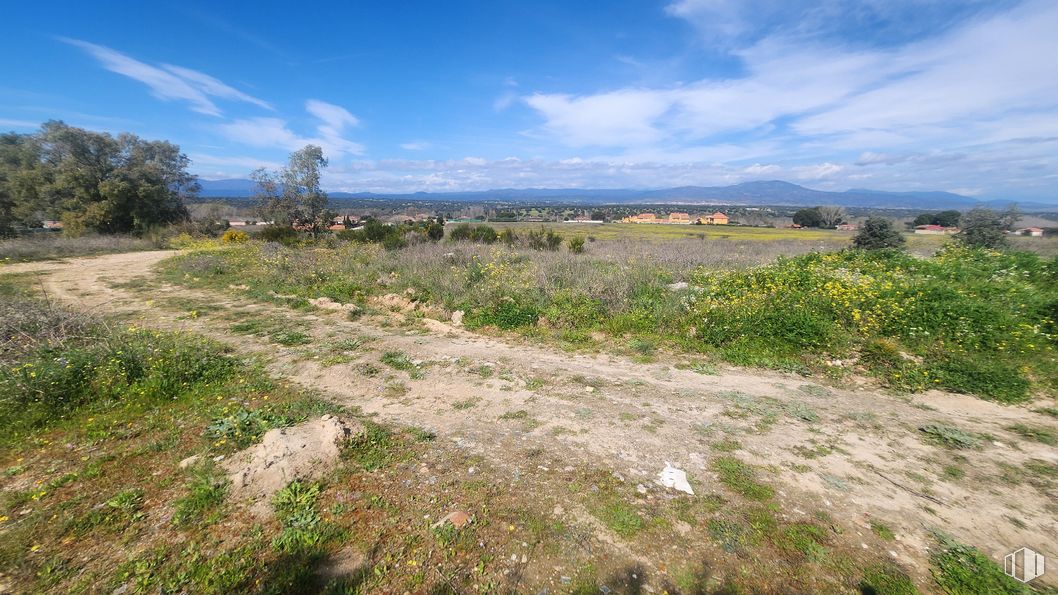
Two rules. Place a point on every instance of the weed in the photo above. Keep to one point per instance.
(398, 360)
(886, 579)
(207, 490)
(465, 404)
(962, 569)
(373, 449)
(948, 436)
(882, 530)
(290, 338)
(1036, 433)
(295, 509)
(741, 478)
(1051, 411)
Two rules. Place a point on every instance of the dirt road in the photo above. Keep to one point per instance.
(853, 450)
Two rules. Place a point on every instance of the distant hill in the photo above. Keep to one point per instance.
(773, 192)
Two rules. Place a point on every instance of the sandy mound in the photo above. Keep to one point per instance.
(305, 451)
(327, 303)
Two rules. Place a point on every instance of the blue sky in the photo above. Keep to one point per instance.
(833, 94)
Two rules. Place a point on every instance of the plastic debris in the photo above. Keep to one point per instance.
(674, 478)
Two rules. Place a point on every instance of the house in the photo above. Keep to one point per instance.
(716, 218)
(846, 227)
(1035, 232)
(641, 218)
(50, 224)
(935, 229)
(679, 218)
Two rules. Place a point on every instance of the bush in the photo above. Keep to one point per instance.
(505, 315)
(544, 240)
(576, 245)
(234, 236)
(278, 233)
(481, 234)
(50, 383)
(878, 233)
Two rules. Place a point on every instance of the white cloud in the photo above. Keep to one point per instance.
(18, 123)
(988, 80)
(274, 133)
(169, 83)
(417, 145)
(618, 118)
(333, 118)
(214, 87)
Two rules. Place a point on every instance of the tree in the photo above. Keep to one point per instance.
(984, 228)
(808, 217)
(93, 181)
(831, 216)
(878, 233)
(292, 196)
(943, 218)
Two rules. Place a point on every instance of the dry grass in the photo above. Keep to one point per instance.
(50, 246)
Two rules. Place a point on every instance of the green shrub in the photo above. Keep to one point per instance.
(278, 233)
(505, 315)
(142, 366)
(964, 570)
(576, 245)
(983, 376)
(481, 234)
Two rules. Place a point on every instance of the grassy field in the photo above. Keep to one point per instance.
(93, 499)
(978, 322)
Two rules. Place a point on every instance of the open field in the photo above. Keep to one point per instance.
(810, 239)
(816, 485)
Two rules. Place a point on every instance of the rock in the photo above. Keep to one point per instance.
(674, 478)
(589, 389)
(681, 285)
(190, 461)
(305, 451)
(457, 518)
(642, 489)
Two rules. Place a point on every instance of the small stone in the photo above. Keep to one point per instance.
(457, 318)
(589, 389)
(557, 511)
(565, 580)
(472, 471)
(189, 461)
(642, 489)
(524, 559)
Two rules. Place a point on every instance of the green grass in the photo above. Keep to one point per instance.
(967, 321)
(948, 436)
(1035, 433)
(882, 530)
(741, 478)
(963, 570)
(374, 449)
(886, 579)
(295, 509)
(206, 491)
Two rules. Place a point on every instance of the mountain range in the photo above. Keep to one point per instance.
(775, 193)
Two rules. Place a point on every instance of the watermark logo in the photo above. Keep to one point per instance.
(1024, 564)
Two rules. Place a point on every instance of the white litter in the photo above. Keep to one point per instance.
(674, 478)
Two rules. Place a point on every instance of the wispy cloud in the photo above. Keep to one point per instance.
(275, 132)
(417, 145)
(168, 82)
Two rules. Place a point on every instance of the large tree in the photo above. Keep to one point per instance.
(93, 181)
(808, 217)
(292, 194)
(831, 216)
(985, 228)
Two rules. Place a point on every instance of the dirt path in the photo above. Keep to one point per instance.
(852, 450)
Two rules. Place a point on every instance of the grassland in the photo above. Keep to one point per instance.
(979, 322)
